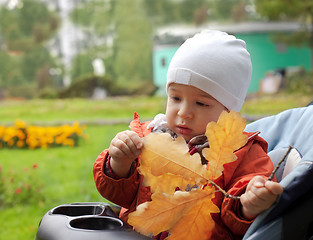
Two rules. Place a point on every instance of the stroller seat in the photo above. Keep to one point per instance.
(291, 217)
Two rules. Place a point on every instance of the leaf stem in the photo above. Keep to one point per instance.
(224, 192)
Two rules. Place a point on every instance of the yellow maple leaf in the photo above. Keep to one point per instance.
(225, 136)
(165, 211)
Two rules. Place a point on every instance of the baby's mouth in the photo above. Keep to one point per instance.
(183, 130)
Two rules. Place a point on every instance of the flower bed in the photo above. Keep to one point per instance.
(21, 135)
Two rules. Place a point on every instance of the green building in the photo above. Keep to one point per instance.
(266, 55)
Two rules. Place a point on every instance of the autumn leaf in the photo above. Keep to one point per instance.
(165, 183)
(166, 164)
(197, 218)
(165, 211)
(224, 137)
(139, 127)
(163, 155)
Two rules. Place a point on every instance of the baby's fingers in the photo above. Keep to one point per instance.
(128, 142)
(136, 140)
(274, 187)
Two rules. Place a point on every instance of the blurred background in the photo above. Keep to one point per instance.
(93, 48)
(73, 72)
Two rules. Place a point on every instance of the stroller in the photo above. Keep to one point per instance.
(291, 217)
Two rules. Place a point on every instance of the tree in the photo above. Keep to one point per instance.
(185, 11)
(132, 45)
(125, 36)
(95, 18)
(94, 15)
(29, 23)
(33, 60)
(301, 11)
(82, 65)
(25, 29)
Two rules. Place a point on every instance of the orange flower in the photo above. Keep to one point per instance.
(20, 144)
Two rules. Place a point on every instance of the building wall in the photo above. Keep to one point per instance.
(268, 56)
(162, 56)
(265, 56)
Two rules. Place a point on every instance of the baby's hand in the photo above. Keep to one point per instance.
(124, 149)
(259, 196)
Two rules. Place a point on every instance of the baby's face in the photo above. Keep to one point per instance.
(190, 109)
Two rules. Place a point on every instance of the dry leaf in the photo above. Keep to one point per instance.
(165, 183)
(224, 137)
(197, 223)
(165, 210)
(167, 164)
(163, 155)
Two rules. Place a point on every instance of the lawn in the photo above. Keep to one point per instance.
(65, 173)
(34, 111)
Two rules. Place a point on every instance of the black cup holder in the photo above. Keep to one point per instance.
(81, 221)
(97, 223)
(73, 211)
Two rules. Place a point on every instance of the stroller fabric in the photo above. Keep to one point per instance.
(291, 216)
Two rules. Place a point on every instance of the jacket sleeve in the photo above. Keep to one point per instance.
(254, 161)
(125, 192)
(119, 191)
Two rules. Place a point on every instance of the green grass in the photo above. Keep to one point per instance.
(66, 173)
(80, 109)
(273, 104)
(34, 111)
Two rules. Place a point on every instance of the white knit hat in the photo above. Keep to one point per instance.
(216, 63)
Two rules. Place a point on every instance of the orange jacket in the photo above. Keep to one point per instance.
(251, 160)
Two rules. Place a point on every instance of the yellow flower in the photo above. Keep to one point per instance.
(20, 134)
(2, 129)
(20, 124)
(68, 142)
(35, 136)
(20, 144)
(11, 143)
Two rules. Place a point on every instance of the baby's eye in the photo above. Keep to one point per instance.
(175, 98)
(201, 104)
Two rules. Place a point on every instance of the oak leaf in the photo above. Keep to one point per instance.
(167, 164)
(225, 136)
(166, 212)
(165, 183)
(197, 222)
(163, 155)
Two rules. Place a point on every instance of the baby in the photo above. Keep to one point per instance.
(208, 74)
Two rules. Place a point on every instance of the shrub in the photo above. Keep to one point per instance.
(300, 82)
(145, 88)
(22, 91)
(83, 87)
(48, 93)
